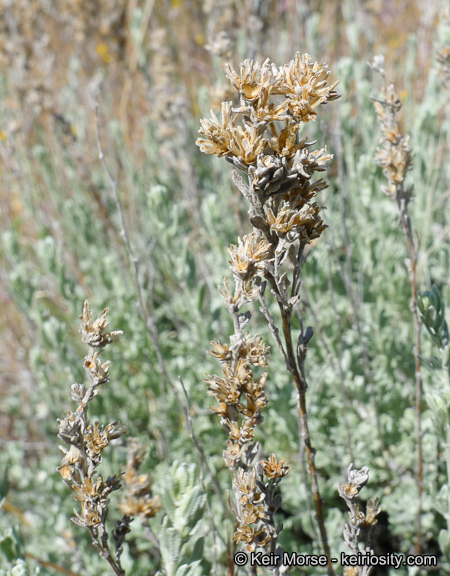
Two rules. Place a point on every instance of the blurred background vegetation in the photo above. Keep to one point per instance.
(156, 67)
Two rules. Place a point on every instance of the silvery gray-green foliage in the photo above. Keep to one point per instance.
(12, 549)
(432, 308)
(12, 546)
(356, 297)
(19, 568)
(180, 537)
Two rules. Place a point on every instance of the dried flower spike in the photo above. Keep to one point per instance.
(360, 524)
(394, 156)
(261, 139)
(86, 442)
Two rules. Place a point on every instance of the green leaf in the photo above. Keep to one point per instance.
(444, 543)
(170, 544)
(12, 544)
(4, 487)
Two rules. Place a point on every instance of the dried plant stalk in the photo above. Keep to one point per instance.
(394, 157)
(86, 443)
(360, 524)
(261, 138)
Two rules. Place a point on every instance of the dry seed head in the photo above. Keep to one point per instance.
(373, 509)
(304, 224)
(273, 468)
(98, 371)
(254, 81)
(247, 259)
(244, 292)
(96, 439)
(139, 500)
(78, 392)
(245, 534)
(92, 332)
(221, 352)
(357, 479)
(286, 143)
(255, 350)
(94, 499)
(245, 482)
(68, 463)
(217, 136)
(246, 143)
(252, 513)
(304, 83)
(71, 428)
(394, 154)
(232, 454)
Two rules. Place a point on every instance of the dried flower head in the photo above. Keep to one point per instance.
(217, 136)
(273, 468)
(93, 332)
(139, 500)
(304, 83)
(357, 479)
(360, 523)
(394, 154)
(254, 82)
(247, 259)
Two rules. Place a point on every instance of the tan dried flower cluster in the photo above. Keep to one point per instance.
(139, 501)
(86, 443)
(360, 523)
(261, 138)
(241, 396)
(247, 259)
(241, 399)
(394, 153)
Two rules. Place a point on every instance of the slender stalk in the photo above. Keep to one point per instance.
(52, 565)
(295, 364)
(412, 268)
(301, 384)
(394, 157)
(204, 463)
(148, 320)
(105, 553)
(447, 462)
